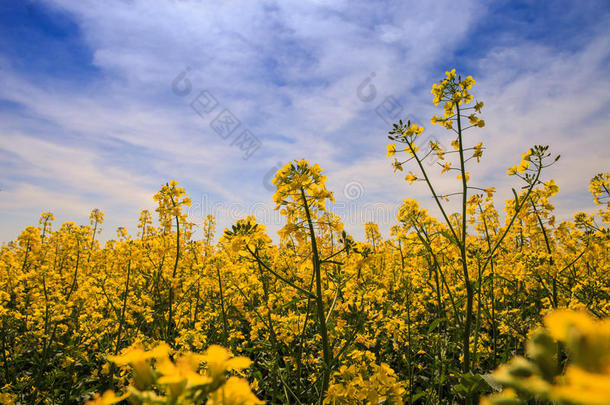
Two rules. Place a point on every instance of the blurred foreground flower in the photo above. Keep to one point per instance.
(586, 379)
(157, 379)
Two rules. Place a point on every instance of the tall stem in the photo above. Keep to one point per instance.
(319, 302)
(469, 289)
(225, 326)
(491, 291)
(122, 321)
(170, 333)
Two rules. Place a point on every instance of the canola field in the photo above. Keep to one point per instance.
(495, 303)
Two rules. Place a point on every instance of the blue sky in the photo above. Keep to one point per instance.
(89, 118)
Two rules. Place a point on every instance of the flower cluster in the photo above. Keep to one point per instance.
(586, 377)
(156, 379)
(364, 382)
(171, 200)
(454, 91)
(455, 94)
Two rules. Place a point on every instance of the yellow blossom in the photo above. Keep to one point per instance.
(391, 149)
(411, 177)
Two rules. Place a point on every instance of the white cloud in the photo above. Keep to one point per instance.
(289, 71)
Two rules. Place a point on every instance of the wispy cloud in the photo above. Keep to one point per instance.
(110, 131)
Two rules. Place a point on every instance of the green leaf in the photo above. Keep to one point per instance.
(434, 324)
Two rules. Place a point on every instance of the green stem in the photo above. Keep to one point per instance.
(122, 320)
(319, 302)
(225, 326)
(170, 332)
(469, 289)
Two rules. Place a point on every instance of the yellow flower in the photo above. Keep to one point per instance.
(417, 129)
(478, 151)
(582, 387)
(449, 105)
(562, 323)
(411, 177)
(413, 130)
(467, 175)
(490, 191)
(219, 360)
(467, 83)
(412, 150)
(523, 166)
(139, 359)
(445, 122)
(236, 391)
(391, 149)
(552, 187)
(137, 355)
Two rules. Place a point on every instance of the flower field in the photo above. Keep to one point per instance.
(496, 303)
